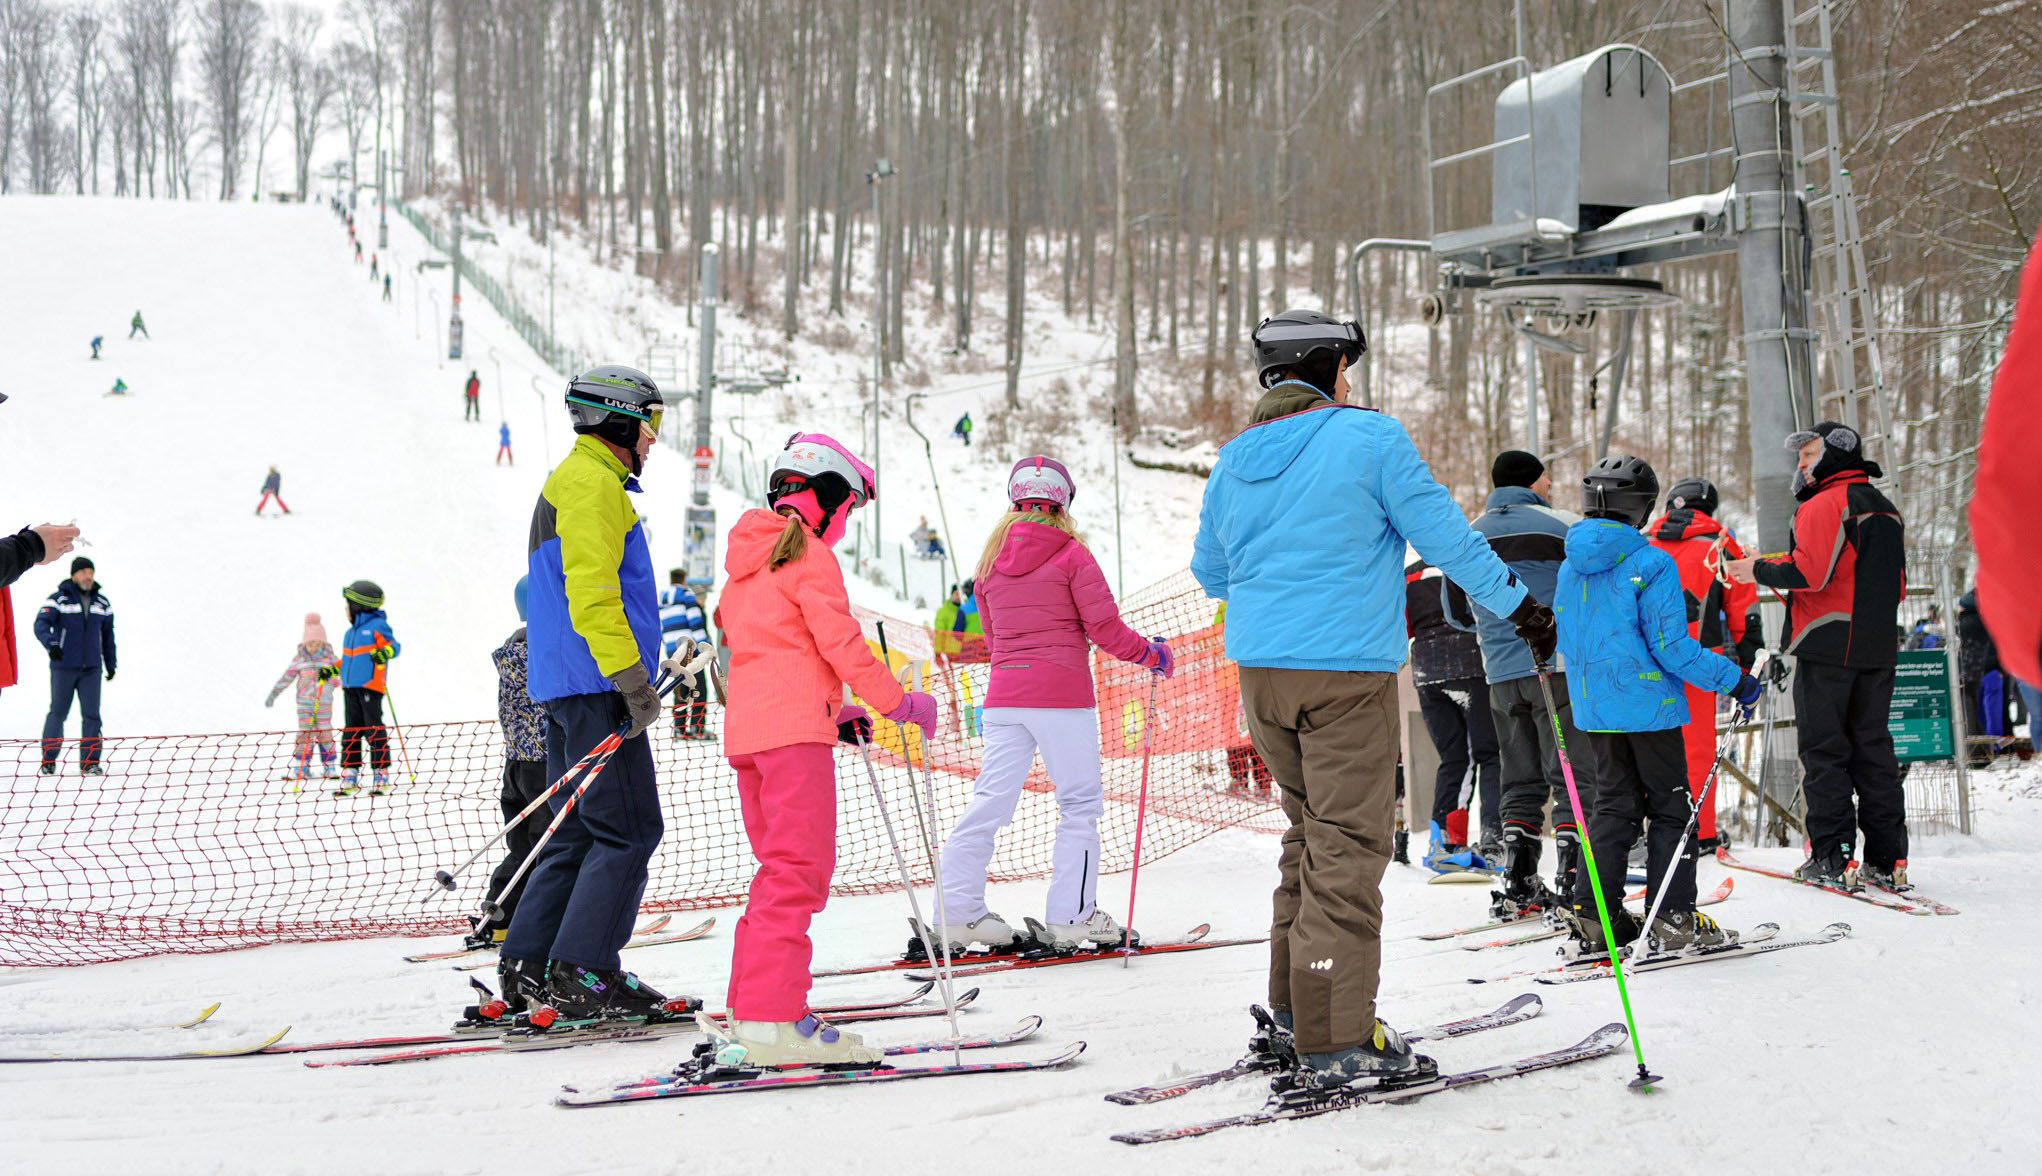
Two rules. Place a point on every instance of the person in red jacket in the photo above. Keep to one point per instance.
(1043, 602)
(1723, 617)
(2005, 491)
(793, 647)
(1844, 579)
(472, 398)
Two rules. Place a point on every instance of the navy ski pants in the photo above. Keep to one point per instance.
(63, 684)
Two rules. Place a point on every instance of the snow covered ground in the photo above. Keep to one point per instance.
(1907, 1047)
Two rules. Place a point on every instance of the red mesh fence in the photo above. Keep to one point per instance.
(194, 843)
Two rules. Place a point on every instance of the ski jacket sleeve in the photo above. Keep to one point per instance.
(592, 523)
(1662, 614)
(290, 675)
(1425, 514)
(826, 610)
(49, 625)
(1454, 607)
(1208, 556)
(1818, 545)
(1097, 610)
(18, 553)
(106, 652)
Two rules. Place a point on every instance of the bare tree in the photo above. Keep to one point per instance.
(355, 88)
(269, 107)
(88, 75)
(308, 84)
(229, 44)
(33, 42)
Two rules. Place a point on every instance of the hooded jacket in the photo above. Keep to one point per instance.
(1722, 617)
(793, 643)
(367, 632)
(1623, 627)
(1044, 606)
(1529, 536)
(1303, 533)
(1846, 572)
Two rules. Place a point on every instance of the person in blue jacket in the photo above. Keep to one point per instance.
(364, 662)
(1623, 631)
(1303, 534)
(76, 625)
(683, 614)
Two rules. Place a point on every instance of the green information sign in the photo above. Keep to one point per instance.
(1920, 718)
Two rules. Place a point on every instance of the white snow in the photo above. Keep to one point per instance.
(1908, 1047)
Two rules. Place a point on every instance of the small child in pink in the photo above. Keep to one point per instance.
(313, 667)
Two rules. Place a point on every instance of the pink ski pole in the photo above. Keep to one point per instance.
(1141, 812)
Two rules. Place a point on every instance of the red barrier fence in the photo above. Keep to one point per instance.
(194, 843)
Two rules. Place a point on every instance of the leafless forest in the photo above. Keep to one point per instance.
(1145, 164)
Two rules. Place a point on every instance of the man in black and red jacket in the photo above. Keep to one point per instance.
(1844, 579)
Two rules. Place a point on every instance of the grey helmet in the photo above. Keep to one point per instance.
(612, 401)
(1693, 494)
(364, 594)
(1622, 488)
(1285, 340)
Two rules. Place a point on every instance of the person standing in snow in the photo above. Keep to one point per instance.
(272, 487)
(76, 626)
(681, 619)
(962, 430)
(1446, 671)
(1302, 532)
(135, 325)
(1044, 603)
(372, 268)
(314, 666)
(794, 646)
(503, 449)
(524, 771)
(96, 340)
(365, 659)
(473, 394)
(386, 287)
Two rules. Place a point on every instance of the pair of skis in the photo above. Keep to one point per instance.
(1907, 902)
(1194, 940)
(1760, 940)
(642, 937)
(1546, 931)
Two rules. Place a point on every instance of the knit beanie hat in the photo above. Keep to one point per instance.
(1515, 467)
(80, 564)
(315, 633)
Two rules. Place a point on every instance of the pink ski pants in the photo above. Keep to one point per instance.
(789, 796)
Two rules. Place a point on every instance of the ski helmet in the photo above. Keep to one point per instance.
(518, 594)
(820, 463)
(1040, 480)
(612, 401)
(1285, 340)
(1693, 494)
(1622, 488)
(364, 593)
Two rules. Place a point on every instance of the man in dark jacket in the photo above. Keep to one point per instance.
(1446, 669)
(76, 625)
(1844, 579)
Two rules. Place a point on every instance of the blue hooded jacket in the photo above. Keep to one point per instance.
(1303, 533)
(1623, 627)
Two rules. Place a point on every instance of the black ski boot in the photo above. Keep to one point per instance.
(1586, 929)
(1382, 1060)
(1523, 894)
(521, 984)
(1892, 877)
(1830, 867)
(575, 993)
(1567, 855)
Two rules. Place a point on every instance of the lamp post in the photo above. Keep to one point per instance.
(881, 171)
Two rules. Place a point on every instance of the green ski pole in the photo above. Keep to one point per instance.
(1645, 1077)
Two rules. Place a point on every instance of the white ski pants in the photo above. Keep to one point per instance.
(1069, 740)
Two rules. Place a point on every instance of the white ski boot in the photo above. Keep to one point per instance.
(1100, 931)
(988, 931)
(780, 1044)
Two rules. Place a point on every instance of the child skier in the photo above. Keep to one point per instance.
(96, 340)
(135, 324)
(1624, 635)
(313, 667)
(503, 449)
(1044, 603)
(272, 487)
(794, 644)
(365, 660)
(524, 770)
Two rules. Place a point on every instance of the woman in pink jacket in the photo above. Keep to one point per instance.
(793, 647)
(1043, 603)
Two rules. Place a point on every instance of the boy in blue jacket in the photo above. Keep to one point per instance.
(364, 665)
(1623, 631)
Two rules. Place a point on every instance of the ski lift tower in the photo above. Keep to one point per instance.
(1580, 161)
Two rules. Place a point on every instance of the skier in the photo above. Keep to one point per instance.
(372, 268)
(593, 633)
(1844, 579)
(962, 430)
(96, 340)
(473, 393)
(1446, 670)
(272, 487)
(681, 619)
(524, 769)
(794, 645)
(135, 324)
(503, 449)
(1044, 603)
(1623, 631)
(386, 287)
(358, 247)
(365, 660)
(120, 387)
(76, 625)
(1723, 617)
(1303, 532)
(313, 666)
(1529, 535)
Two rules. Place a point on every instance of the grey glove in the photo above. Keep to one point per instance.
(639, 696)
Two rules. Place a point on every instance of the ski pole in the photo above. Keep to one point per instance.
(397, 725)
(1645, 1077)
(1141, 810)
(907, 882)
(446, 878)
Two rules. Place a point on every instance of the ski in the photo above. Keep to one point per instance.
(696, 932)
(1510, 1012)
(917, 958)
(1914, 896)
(656, 925)
(1720, 894)
(1302, 1105)
(205, 1014)
(1600, 960)
(1906, 902)
(1022, 1031)
(565, 1034)
(806, 1079)
(1741, 948)
(182, 1055)
(1082, 957)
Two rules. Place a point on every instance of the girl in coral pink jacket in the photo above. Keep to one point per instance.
(793, 647)
(1044, 604)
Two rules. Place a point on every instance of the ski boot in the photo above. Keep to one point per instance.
(1886, 878)
(1099, 932)
(1833, 868)
(1567, 860)
(989, 932)
(350, 783)
(575, 993)
(1523, 894)
(92, 770)
(382, 785)
(1585, 930)
(1680, 931)
(46, 770)
(1491, 846)
(521, 985)
(767, 1045)
(1382, 1060)
(327, 768)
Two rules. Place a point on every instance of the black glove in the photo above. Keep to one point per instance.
(854, 726)
(1746, 691)
(326, 672)
(109, 673)
(639, 697)
(1535, 627)
(55, 653)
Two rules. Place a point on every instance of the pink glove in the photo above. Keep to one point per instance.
(1159, 658)
(854, 726)
(917, 708)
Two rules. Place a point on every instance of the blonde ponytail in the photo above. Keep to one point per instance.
(793, 544)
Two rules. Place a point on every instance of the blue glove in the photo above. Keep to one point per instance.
(1746, 691)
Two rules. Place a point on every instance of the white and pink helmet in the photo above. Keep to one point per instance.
(810, 456)
(1040, 479)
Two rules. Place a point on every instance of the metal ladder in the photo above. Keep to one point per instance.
(1855, 390)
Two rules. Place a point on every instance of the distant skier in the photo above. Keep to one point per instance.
(962, 429)
(120, 387)
(96, 340)
(365, 660)
(135, 324)
(373, 261)
(473, 392)
(386, 287)
(76, 625)
(313, 667)
(272, 487)
(358, 248)
(503, 449)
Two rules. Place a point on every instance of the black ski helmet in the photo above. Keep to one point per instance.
(1620, 487)
(1286, 340)
(1693, 494)
(612, 401)
(364, 594)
